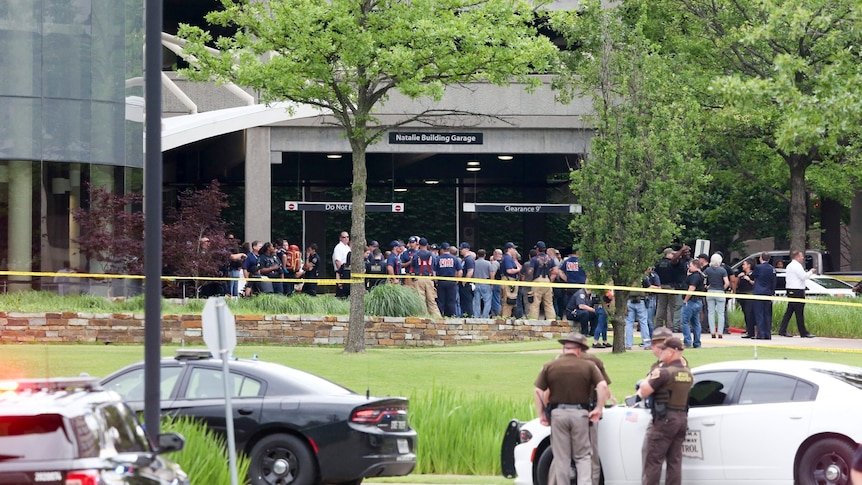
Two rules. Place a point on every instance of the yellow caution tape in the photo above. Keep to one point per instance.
(360, 278)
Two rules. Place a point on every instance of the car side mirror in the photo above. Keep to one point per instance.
(170, 442)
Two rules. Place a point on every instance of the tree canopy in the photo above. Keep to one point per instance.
(346, 56)
(785, 75)
(644, 164)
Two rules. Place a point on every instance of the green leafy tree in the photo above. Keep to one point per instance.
(789, 77)
(643, 165)
(347, 56)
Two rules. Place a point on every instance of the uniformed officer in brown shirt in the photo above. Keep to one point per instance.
(569, 380)
(669, 385)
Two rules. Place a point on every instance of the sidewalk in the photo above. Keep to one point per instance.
(816, 343)
(827, 344)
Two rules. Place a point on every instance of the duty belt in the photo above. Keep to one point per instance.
(585, 407)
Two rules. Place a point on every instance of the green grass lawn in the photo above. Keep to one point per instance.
(505, 370)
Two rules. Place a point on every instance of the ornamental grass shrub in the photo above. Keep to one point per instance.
(387, 300)
(459, 433)
(204, 457)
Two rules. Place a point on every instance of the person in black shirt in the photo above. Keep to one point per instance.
(745, 286)
(692, 305)
(312, 269)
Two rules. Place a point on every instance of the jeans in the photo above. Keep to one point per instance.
(716, 305)
(233, 285)
(601, 329)
(691, 322)
(650, 313)
(637, 311)
(496, 302)
(482, 301)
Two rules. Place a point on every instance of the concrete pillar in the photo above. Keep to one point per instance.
(20, 222)
(258, 187)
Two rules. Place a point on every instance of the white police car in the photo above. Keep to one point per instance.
(69, 431)
(756, 421)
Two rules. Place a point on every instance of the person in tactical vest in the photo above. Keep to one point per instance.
(543, 296)
(423, 266)
(669, 385)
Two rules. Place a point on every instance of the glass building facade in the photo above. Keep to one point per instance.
(70, 115)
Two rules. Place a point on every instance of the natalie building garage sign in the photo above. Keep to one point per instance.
(425, 138)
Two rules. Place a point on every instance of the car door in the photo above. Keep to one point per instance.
(762, 430)
(202, 397)
(702, 454)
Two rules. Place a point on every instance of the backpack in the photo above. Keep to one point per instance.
(294, 259)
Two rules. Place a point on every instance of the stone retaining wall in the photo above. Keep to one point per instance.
(68, 327)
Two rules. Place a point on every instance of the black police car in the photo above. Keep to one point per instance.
(71, 432)
(297, 428)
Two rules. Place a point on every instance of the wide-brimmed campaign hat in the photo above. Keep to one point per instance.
(575, 338)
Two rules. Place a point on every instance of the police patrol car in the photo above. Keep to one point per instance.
(71, 432)
(755, 421)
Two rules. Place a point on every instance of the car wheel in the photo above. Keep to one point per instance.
(543, 469)
(826, 462)
(281, 459)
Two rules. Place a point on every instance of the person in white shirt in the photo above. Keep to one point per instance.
(796, 278)
(339, 258)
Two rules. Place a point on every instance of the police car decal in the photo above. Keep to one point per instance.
(692, 446)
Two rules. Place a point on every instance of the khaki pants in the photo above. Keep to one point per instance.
(542, 296)
(426, 289)
(570, 440)
(507, 292)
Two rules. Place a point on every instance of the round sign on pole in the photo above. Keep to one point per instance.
(216, 319)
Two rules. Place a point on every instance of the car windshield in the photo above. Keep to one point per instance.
(41, 437)
(850, 377)
(832, 283)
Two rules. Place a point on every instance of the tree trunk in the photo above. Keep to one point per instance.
(621, 298)
(798, 202)
(356, 328)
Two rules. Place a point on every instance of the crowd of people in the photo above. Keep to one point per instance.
(462, 281)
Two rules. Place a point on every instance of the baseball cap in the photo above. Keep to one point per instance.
(464, 245)
(444, 245)
(703, 256)
(374, 244)
(510, 245)
(668, 250)
(434, 246)
(541, 245)
(395, 243)
(423, 241)
(413, 239)
(673, 343)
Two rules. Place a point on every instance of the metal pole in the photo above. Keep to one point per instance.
(228, 406)
(153, 215)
